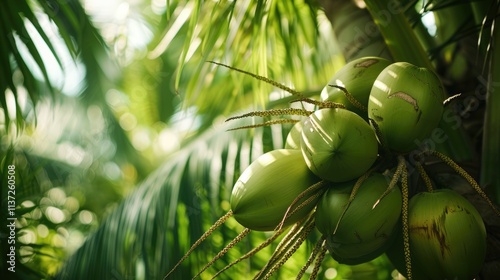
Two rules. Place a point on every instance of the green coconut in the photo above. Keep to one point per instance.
(447, 237)
(357, 78)
(338, 145)
(266, 188)
(364, 231)
(293, 137)
(406, 103)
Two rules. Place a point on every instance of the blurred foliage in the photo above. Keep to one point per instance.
(113, 116)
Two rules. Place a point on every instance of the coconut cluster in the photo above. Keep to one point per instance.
(331, 169)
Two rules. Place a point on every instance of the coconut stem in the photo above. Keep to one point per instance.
(404, 216)
(425, 177)
(251, 252)
(261, 78)
(268, 123)
(354, 191)
(467, 177)
(273, 112)
(351, 98)
(318, 189)
(321, 104)
(231, 244)
(317, 249)
(380, 137)
(317, 264)
(394, 180)
(451, 98)
(286, 243)
(306, 202)
(304, 232)
(216, 225)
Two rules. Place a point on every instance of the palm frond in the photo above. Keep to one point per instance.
(278, 40)
(28, 49)
(147, 234)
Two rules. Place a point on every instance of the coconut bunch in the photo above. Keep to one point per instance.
(344, 172)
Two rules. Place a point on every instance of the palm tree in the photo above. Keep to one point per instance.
(174, 91)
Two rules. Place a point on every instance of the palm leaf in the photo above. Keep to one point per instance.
(21, 51)
(16, 18)
(268, 38)
(146, 230)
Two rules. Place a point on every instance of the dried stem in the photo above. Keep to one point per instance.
(306, 202)
(380, 137)
(394, 180)
(292, 233)
(451, 98)
(285, 243)
(321, 104)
